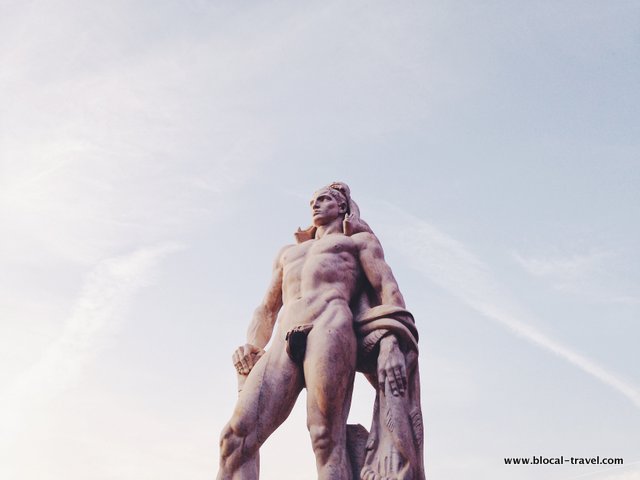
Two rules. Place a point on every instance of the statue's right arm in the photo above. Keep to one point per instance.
(263, 321)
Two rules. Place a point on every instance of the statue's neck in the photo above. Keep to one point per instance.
(333, 227)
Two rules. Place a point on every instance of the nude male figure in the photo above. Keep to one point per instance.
(312, 286)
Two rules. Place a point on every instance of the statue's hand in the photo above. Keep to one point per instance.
(245, 357)
(391, 366)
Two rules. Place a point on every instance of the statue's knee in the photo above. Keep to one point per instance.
(231, 441)
(226, 441)
(321, 438)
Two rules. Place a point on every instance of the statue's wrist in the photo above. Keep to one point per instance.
(388, 342)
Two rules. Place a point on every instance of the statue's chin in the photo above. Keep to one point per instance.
(321, 221)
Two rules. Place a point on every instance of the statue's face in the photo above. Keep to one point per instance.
(325, 209)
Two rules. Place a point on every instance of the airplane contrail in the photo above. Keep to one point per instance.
(448, 263)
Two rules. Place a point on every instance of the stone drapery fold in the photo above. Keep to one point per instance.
(394, 449)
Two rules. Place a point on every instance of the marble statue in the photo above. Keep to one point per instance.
(339, 310)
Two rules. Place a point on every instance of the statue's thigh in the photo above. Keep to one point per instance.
(268, 395)
(329, 368)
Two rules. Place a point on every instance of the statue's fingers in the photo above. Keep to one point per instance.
(405, 379)
(235, 357)
(399, 379)
(244, 365)
(251, 360)
(247, 357)
(254, 357)
(381, 374)
(369, 475)
(392, 382)
(237, 364)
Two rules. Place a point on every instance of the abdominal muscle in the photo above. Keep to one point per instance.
(332, 313)
(317, 290)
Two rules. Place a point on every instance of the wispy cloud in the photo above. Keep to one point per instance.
(107, 291)
(118, 143)
(595, 274)
(450, 264)
(567, 266)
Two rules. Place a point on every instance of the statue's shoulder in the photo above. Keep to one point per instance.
(282, 253)
(287, 248)
(365, 240)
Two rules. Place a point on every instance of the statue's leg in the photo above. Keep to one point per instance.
(268, 395)
(329, 368)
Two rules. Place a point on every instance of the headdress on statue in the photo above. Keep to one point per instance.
(352, 222)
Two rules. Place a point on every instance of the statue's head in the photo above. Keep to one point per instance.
(330, 203)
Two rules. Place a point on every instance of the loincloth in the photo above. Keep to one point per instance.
(296, 339)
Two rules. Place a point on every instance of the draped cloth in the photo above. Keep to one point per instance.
(394, 448)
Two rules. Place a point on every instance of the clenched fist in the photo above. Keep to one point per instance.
(245, 357)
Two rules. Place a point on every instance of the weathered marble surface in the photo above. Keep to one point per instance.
(339, 311)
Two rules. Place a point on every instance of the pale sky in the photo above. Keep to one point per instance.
(156, 155)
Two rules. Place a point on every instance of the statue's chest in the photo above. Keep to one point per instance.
(331, 244)
(322, 249)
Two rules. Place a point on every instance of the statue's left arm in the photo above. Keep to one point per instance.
(391, 361)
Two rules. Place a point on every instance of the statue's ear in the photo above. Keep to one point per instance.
(343, 207)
